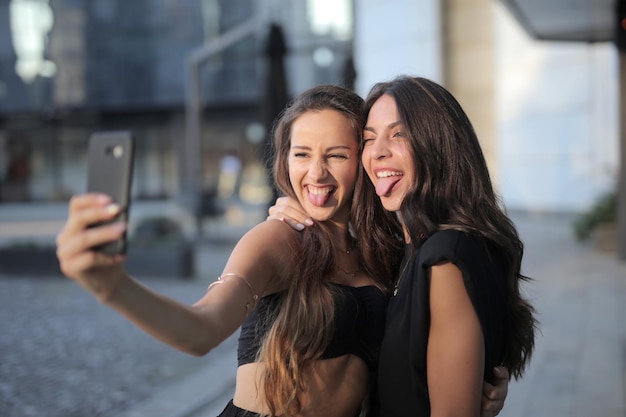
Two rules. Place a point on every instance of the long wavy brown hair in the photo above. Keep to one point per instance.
(452, 190)
(304, 324)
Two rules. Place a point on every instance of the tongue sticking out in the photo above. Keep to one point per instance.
(318, 199)
(385, 185)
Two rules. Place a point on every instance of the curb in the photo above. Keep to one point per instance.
(204, 392)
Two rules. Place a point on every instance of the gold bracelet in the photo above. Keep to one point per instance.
(221, 279)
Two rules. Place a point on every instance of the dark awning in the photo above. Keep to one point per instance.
(566, 20)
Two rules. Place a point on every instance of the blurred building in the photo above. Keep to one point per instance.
(72, 67)
(545, 106)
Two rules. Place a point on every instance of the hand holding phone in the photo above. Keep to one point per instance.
(110, 169)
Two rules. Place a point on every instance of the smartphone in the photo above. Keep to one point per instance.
(110, 171)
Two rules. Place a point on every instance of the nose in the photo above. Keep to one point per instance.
(317, 169)
(378, 148)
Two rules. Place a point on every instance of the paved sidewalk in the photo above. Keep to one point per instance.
(579, 365)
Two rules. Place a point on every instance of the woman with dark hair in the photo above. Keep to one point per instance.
(456, 309)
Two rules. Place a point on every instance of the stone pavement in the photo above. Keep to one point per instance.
(579, 365)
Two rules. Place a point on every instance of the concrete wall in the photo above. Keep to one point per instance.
(546, 113)
(557, 119)
(396, 37)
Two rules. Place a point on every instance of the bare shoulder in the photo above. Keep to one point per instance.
(268, 246)
(273, 235)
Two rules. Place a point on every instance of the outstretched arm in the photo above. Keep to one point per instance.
(193, 329)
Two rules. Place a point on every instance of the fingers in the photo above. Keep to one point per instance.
(489, 391)
(85, 261)
(71, 243)
(293, 223)
(85, 210)
(76, 239)
(501, 372)
(89, 209)
(486, 413)
(81, 201)
(76, 257)
(289, 207)
(490, 407)
(289, 211)
(494, 396)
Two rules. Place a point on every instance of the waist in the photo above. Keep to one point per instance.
(335, 387)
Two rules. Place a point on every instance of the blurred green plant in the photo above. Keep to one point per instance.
(603, 211)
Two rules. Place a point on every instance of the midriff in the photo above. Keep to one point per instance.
(337, 387)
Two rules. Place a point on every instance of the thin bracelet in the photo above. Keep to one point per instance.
(221, 279)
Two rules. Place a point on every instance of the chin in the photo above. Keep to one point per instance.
(320, 214)
(391, 205)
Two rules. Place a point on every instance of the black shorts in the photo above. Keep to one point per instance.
(232, 410)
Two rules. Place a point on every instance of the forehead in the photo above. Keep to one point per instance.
(384, 110)
(327, 126)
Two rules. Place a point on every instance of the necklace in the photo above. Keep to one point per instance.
(349, 273)
(404, 267)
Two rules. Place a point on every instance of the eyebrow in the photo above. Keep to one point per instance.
(389, 126)
(332, 148)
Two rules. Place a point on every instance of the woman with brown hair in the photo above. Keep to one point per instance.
(311, 305)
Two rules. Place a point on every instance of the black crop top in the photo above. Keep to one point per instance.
(358, 324)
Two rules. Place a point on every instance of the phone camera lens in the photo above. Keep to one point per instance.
(117, 151)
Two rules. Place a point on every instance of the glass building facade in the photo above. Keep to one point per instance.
(69, 68)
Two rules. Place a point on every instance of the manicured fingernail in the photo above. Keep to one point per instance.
(113, 209)
(299, 226)
(308, 222)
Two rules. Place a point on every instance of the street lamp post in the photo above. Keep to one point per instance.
(190, 195)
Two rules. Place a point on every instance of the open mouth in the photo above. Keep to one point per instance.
(386, 180)
(318, 196)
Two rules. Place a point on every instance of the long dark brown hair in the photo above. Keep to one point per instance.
(452, 189)
(303, 327)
